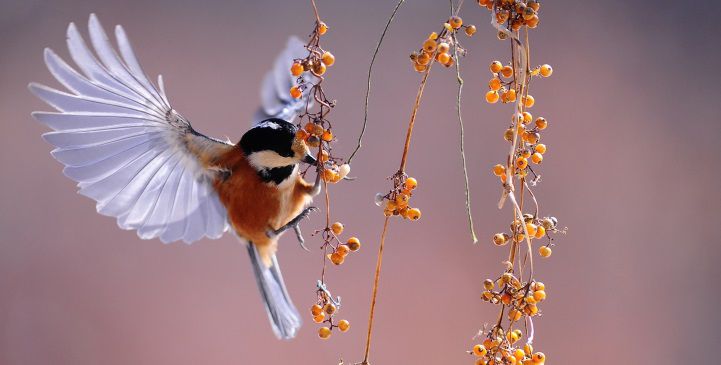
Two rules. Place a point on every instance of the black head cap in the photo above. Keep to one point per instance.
(271, 134)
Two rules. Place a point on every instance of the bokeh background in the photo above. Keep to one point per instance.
(632, 170)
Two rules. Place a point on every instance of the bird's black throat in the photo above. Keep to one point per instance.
(277, 174)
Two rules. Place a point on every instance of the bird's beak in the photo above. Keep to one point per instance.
(309, 159)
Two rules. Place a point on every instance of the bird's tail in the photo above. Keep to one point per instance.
(283, 315)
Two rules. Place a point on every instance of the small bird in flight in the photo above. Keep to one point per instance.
(144, 164)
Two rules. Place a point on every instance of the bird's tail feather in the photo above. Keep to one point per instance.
(283, 315)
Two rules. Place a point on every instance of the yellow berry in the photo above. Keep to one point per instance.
(514, 315)
(324, 333)
(448, 27)
(541, 123)
(531, 229)
(519, 354)
(337, 228)
(296, 69)
(327, 58)
(521, 163)
(470, 30)
(496, 66)
(480, 350)
(295, 92)
(495, 84)
(539, 295)
(414, 214)
(410, 183)
(537, 285)
(433, 36)
(322, 28)
(545, 251)
(492, 96)
(499, 239)
(546, 70)
(540, 148)
(487, 284)
(540, 232)
(511, 95)
(527, 117)
(537, 158)
(343, 325)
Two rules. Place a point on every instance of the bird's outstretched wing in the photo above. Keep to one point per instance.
(275, 99)
(119, 138)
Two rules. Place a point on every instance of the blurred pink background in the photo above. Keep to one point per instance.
(632, 170)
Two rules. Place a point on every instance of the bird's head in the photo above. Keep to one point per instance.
(272, 144)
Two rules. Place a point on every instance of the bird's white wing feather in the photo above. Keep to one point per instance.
(119, 138)
(275, 99)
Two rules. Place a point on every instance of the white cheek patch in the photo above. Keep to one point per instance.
(269, 124)
(270, 159)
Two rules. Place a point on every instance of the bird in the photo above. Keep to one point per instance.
(119, 138)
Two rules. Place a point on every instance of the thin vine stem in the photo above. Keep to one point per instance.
(370, 73)
(376, 280)
(462, 142)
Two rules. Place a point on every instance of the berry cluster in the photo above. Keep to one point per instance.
(339, 250)
(438, 46)
(324, 311)
(517, 295)
(315, 135)
(397, 200)
(316, 63)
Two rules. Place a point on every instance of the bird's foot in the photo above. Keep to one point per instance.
(295, 224)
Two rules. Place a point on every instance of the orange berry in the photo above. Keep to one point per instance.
(324, 156)
(545, 251)
(521, 163)
(539, 295)
(443, 47)
(419, 68)
(316, 309)
(337, 228)
(470, 30)
(327, 136)
(527, 117)
(329, 308)
(456, 22)
(537, 158)
(410, 183)
(296, 69)
(343, 250)
(302, 134)
(514, 315)
(492, 96)
(499, 239)
(539, 358)
(540, 148)
(319, 68)
(499, 170)
(353, 244)
(533, 22)
(531, 229)
(433, 36)
(414, 214)
(528, 349)
(507, 71)
(480, 350)
(295, 92)
(322, 28)
(319, 318)
(528, 101)
(511, 95)
(429, 45)
(533, 4)
(343, 325)
(519, 354)
(324, 333)
(537, 285)
(448, 27)
(327, 58)
(546, 70)
(541, 123)
(488, 284)
(540, 232)
(423, 59)
(506, 298)
(532, 137)
(494, 84)
(496, 66)
(336, 258)
(443, 58)
(402, 199)
(488, 343)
